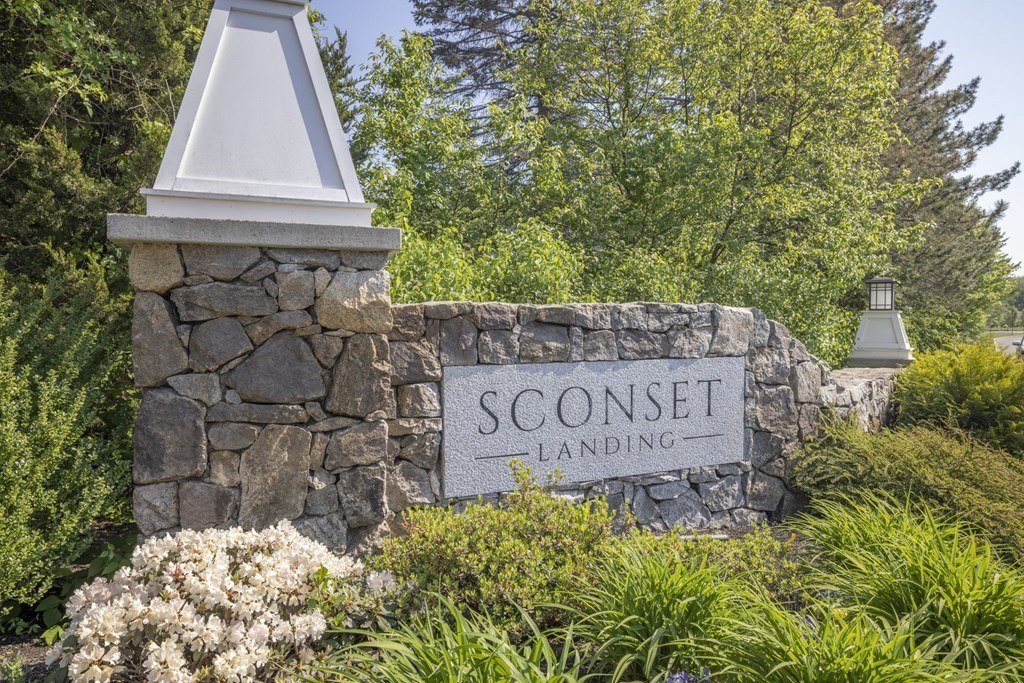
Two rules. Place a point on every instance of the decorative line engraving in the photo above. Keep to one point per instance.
(496, 457)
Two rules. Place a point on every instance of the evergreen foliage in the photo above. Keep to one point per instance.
(65, 422)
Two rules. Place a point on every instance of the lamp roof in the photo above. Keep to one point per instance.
(258, 136)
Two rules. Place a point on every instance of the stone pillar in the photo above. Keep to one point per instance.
(266, 383)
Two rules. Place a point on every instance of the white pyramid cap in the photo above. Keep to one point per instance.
(257, 136)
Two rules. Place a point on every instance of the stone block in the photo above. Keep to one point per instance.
(362, 377)
(668, 490)
(558, 315)
(362, 494)
(640, 345)
(498, 347)
(419, 400)
(771, 365)
(266, 327)
(215, 342)
(169, 440)
(295, 290)
(766, 447)
(157, 352)
(776, 411)
(258, 272)
(593, 316)
(365, 444)
(734, 329)
(629, 317)
(283, 370)
(764, 492)
(600, 345)
(687, 511)
(413, 363)
(408, 486)
(544, 343)
(331, 531)
(724, 494)
(155, 507)
(273, 473)
(807, 383)
(323, 499)
(331, 424)
(458, 342)
(219, 300)
(204, 387)
(494, 316)
(232, 436)
(421, 449)
(689, 342)
(220, 263)
(205, 506)
(443, 310)
(742, 517)
(407, 425)
(327, 348)
(155, 267)
(224, 468)
(358, 302)
(408, 323)
(257, 413)
(644, 507)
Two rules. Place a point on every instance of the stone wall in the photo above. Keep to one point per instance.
(282, 383)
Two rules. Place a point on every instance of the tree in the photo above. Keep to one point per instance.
(684, 150)
(339, 70)
(952, 277)
(89, 94)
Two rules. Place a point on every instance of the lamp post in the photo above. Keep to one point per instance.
(881, 337)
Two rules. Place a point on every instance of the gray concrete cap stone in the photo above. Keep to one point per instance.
(283, 370)
(205, 506)
(359, 302)
(169, 441)
(155, 267)
(218, 300)
(155, 507)
(220, 263)
(157, 352)
(215, 342)
(273, 472)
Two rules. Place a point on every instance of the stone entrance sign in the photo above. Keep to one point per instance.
(595, 420)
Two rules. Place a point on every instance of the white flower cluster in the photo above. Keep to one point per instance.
(202, 605)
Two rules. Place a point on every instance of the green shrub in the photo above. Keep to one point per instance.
(65, 416)
(644, 611)
(976, 387)
(758, 558)
(893, 562)
(525, 552)
(769, 644)
(950, 471)
(443, 645)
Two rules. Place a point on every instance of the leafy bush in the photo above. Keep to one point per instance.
(892, 562)
(950, 471)
(443, 645)
(644, 611)
(66, 410)
(974, 387)
(204, 605)
(768, 644)
(758, 558)
(524, 552)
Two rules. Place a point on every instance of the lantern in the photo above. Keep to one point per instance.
(880, 294)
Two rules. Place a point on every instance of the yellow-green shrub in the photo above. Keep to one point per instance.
(975, 387)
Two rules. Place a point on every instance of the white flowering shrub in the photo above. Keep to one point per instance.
(215, 605)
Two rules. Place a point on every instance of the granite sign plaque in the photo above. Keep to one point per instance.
(594, 420)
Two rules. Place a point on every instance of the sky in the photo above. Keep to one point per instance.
(984, 37)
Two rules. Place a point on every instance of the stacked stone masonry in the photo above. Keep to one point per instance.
(282, 384)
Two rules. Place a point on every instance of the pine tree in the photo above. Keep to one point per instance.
(340, 73)
(958, 271)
